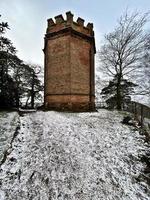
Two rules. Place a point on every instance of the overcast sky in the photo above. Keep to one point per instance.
(28, 20)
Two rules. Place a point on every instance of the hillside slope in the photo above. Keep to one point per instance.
(74, 156)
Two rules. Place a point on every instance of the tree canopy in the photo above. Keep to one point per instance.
(17, 79)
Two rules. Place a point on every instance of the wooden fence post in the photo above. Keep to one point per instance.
(142, 117)
(135, 110)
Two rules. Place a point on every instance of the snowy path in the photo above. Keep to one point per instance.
(8, 125)
(72, 156)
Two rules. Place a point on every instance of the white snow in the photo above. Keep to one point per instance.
(8, 124)
(74, 156)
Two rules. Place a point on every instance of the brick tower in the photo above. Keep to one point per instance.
(69, 65)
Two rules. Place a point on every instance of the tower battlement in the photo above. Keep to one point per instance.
(60, 23)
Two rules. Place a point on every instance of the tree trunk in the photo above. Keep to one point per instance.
(2, 79)
(26, 105)
(17, 96)
(2, 85)
(32, 99)
(32, 91)
(17, 99)
(119, 100)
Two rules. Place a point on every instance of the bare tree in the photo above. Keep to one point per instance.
(123, 49)
(34, 84)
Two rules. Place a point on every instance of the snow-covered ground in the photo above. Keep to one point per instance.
(8, 124)
(74, 156)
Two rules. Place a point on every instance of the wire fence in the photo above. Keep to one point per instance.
(101, 104)
(139, 110)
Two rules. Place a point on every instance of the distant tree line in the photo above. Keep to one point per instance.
(125, 58)
(19, 82)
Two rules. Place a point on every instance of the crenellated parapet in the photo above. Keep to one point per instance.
(60, 23)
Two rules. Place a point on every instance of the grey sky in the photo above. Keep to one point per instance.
(28, 19)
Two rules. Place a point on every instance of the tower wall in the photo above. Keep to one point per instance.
(69, 65)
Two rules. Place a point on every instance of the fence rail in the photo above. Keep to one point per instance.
(101, 104)
(139, 110)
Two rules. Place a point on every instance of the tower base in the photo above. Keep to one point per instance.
(74, 103)
(74, 107)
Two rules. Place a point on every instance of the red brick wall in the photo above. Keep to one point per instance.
(80, 66)
(58, 68)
